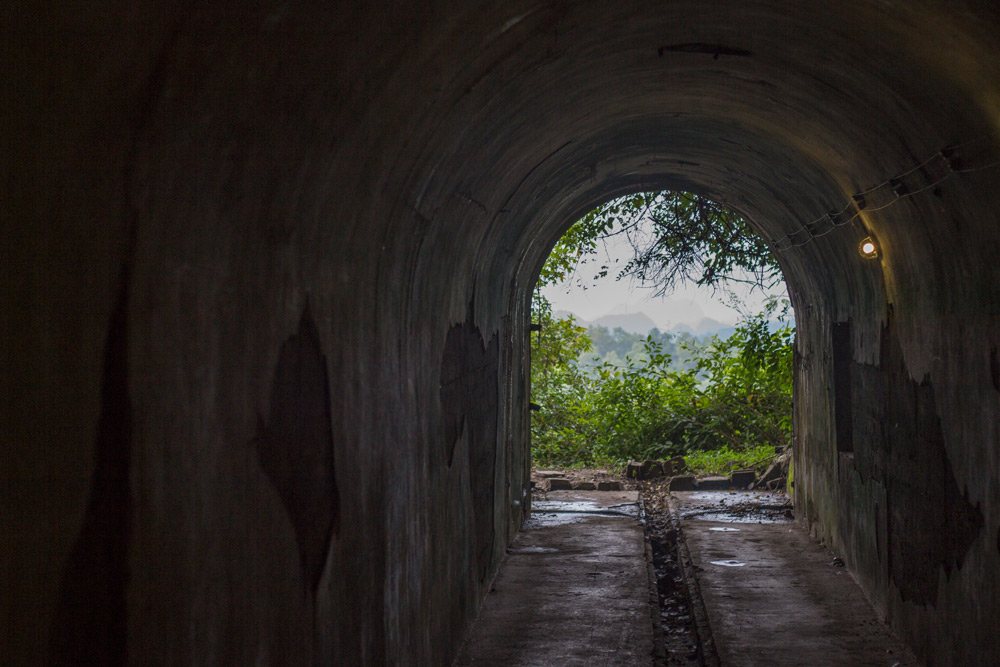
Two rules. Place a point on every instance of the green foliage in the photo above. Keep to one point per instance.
(724, 460)
(736, 395)
(610, 396)
(747, 399)
(559, 342)
(694, 238)
(688, 237)
(576, 243)
(558, 384)
(614, 346)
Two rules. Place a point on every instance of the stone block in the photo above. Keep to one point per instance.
(682, 483)
(609, 486)
(653, 469)
(556, 484)
(776, 475)
(677, 465)
(585, 486)
(741, 479)
(646, 470)
(713, 483)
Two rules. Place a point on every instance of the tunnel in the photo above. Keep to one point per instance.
(268, 270)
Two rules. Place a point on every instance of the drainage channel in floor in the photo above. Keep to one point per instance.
(681, 646)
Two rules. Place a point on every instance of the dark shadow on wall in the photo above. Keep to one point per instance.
(91, 619)
(470, 401)
(899, 443)
(296, 448)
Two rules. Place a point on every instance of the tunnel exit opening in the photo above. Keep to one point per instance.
(691, 362)
(675, 376)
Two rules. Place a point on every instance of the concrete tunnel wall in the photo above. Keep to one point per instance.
(266, 300)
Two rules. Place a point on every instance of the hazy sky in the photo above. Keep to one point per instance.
(687, 305)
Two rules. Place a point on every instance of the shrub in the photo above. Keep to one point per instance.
(735, 399)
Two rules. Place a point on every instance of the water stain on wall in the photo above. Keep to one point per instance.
(470, 400)
(931, 522)
(296, 447)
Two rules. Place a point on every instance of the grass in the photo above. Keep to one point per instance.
(723, 461)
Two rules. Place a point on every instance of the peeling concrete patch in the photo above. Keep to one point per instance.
(931, 522)
(470, 398)
(296, 449)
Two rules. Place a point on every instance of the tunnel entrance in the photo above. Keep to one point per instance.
(620, 386)
(623, 401)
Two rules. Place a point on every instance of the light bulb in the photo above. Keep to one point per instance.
(868, 249)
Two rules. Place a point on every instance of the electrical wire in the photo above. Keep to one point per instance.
(857, 200)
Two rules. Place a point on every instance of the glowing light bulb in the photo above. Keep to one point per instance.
(868, 249)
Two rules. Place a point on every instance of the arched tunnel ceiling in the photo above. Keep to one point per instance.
(533, 113)
(511, 119)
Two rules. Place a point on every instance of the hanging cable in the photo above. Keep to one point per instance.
(948, 156)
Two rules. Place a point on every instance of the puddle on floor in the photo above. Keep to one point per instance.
(584, 507)
(734, 506)
(560, 512)
(542, 519)
(532, 550)
(728, 563)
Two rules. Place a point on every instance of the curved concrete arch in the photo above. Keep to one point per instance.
(210, 208)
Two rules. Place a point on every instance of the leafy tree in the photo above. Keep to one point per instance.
(613, 346)
(618, 340)
(557, 384)
(689, 237)
(558, 342)
(735, 398)
(609, 396)
(746, 394)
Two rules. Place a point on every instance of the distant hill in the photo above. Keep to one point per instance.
(565, 314)
(639, 323)
(706, 327)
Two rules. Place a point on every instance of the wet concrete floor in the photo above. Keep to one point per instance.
(773, 596)
(573, 589)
